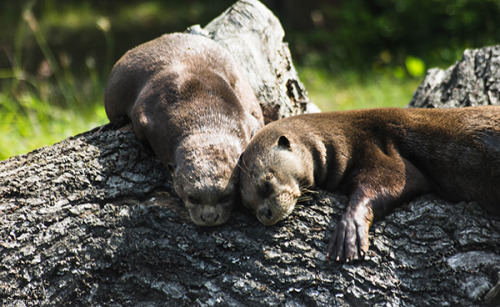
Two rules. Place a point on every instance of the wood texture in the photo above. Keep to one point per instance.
(94, 221)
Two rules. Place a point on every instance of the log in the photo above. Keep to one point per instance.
(94, 221)
(472, 81)
(254, 36)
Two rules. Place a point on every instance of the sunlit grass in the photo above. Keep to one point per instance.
(47, 106)
(39, 123)
(43, 108)
(355, 90)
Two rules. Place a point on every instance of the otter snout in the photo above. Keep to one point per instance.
(266, 216)
(209, 216)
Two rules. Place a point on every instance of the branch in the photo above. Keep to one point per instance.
(94, 220)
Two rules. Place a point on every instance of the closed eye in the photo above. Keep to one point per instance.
(194, 200)
(226, 198)
(267, 189)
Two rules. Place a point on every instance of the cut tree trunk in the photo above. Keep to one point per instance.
(94, 221)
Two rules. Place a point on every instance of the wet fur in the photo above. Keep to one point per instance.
(380, 157)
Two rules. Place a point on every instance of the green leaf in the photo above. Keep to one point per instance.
(414, 66)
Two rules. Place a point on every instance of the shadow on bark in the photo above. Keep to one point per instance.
(94, 220)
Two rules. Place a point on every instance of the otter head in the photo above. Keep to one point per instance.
(205, 179)
(270, 178)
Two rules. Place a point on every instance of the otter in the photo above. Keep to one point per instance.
(189, 102)
(379, 157)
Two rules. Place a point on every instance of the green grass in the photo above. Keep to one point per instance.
(355, 90)
(45, 107)
(29, 121)
(41, 108)
(40, 123)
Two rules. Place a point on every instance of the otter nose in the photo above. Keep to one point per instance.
(209, 216)
(265, 215)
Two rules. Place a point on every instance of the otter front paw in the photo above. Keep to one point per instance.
(350, 239)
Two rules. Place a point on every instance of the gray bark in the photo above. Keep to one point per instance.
(94, 220)
(255, 38)
(472, 81)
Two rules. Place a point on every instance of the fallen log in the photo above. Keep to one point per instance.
(93, 220)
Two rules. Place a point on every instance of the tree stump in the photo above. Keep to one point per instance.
(94, 221)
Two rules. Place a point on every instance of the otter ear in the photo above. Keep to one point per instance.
(284, 143)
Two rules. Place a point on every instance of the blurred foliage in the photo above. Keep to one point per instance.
(337, 34)
(55, 56)
(350, 89)
(101, 30)
(374, 34)
(27, 123)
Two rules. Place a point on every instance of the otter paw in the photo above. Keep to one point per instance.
(350, 239)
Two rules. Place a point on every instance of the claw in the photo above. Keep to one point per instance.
(349, 241)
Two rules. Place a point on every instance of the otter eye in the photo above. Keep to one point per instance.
(226, 198)
(267, 189)
(194, 200)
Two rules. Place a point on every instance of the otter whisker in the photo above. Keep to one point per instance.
(298, 206)
(242, 166)
(308, 191)
(304, 198)
(297, 147)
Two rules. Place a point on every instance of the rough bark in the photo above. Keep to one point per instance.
(472, 81)
(94, 221)
(255, 38)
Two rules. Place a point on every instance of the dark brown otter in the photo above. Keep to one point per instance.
(380, 157)
(188, 100)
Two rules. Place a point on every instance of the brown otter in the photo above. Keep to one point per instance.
(188, 100)
(380, 157)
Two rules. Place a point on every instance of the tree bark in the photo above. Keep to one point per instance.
(472, 81)
(254, 36)
(94, 221)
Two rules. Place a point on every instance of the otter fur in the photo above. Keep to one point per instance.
(379, 157)
(190, 103)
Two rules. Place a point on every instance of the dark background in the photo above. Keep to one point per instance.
(335, 34)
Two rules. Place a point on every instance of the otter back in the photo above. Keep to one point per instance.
(380, 157)
(188, 100)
